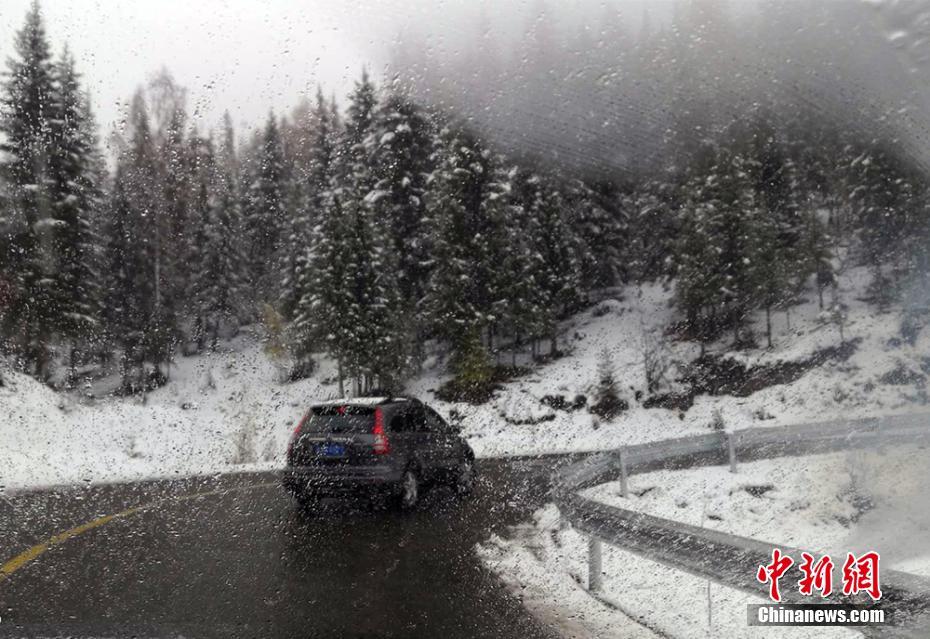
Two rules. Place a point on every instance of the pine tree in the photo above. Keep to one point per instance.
(295, 238)
(519, 294)
(650, 221)
(167, 102)
(29, 109)
(308, 193)
(265, 214)
(149, 331)
(401, 162)
(559, 265)
(699, 280)
(457, 294)
(352, 305)
(377, 349)
(378, 345)
(75, 174)
(735, 210)
(224, 253)
(128, 282)
(401, 150)
(353, 169)
(200, 226)
(218, 278)
(320, 259)
(769, 271)
(600, 235)
(324, 316)
(818, 256)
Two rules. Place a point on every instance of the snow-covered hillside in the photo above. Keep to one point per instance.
(884, 375)
(221, 411)
(851, 501)
(227, 410)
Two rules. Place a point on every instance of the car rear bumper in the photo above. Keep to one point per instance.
(336, 481)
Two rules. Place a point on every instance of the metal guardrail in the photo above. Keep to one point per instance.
(729, 559)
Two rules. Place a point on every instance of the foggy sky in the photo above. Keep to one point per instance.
(861, 62)
(248, 56)
(244, 56)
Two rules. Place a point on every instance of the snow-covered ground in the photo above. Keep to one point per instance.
(842, 502)
(836, 390)
(837, 503)
(219, 412)
(542, 558)
(856, 501)
(227, 410)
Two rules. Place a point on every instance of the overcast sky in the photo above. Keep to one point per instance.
(250, 55)
(247, 56)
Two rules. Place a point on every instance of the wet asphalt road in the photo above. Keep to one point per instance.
(242, 560)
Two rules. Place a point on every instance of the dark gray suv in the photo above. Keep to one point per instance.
(379, 447)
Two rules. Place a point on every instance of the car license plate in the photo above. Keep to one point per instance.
(330, 449)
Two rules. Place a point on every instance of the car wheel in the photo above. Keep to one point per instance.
(465, 477)
(409, 490)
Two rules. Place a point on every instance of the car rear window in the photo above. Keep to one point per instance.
(341, 419)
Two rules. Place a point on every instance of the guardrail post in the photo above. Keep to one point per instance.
(595, 565)
(731, 451)
(624, 474)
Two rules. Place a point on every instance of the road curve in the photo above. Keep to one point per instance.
(233, 556)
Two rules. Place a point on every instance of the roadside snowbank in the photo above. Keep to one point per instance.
(842, 502)
(220, 412)
(669, 602)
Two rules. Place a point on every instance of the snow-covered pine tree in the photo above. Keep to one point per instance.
(560, 267)
(519, 294)
(735, 210)
(28, 111)
(601, 233)
(378, 343)
(457, 298)
(377, 351)
(265, 215)
(818, 254)
(76, 173)
(401, 161)
(151, 331)
(699, 281)
(128, 282)
(225, 259)
(323, 318)
(202, 184)
(296, 137)
(311, 323)
(295, 238)
(882, 205)
(650, 220)
(168, 110)
(217, 277)
(353, 170)
(776, 182)
(492, 248)
(770, 272)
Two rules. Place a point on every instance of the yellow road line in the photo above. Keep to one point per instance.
(36, 551)
(24, 558)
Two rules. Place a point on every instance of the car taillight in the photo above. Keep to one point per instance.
(382, 445)
(296, 434)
